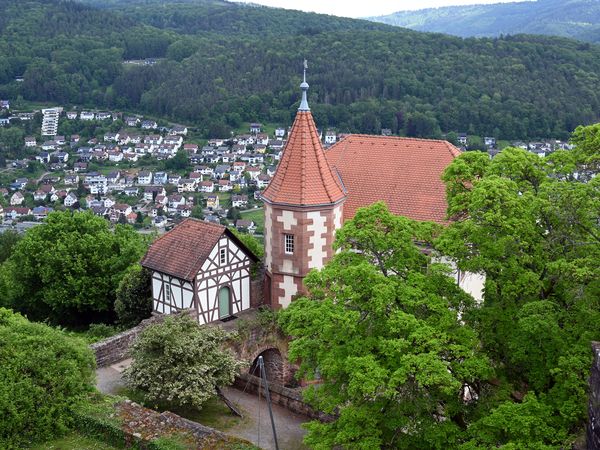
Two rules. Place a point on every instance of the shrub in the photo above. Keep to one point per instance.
(44, 374)
(179, 363)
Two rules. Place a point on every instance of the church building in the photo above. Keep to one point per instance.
(314, 191)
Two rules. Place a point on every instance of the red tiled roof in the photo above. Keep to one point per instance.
(405, 173)
(182, 251)
(303, 176)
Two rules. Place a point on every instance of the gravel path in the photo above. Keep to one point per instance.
(287, 424)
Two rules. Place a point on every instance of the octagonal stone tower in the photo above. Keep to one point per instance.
(303, 208)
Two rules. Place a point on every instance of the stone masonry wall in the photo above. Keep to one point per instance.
(593, 427)
(291, 399)
(116, 348)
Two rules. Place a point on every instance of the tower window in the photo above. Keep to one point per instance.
(223, 256)
(289, 244)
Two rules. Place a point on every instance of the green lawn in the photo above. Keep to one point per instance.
(74, 441)
(256, 215)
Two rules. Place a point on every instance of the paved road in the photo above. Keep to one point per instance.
(256, 425)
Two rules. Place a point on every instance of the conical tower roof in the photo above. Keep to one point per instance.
(304, 177)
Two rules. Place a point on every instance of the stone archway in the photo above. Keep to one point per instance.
(275, 366)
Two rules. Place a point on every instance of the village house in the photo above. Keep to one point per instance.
(179, 130)
(149, 125)
(16, 212)
(225, 185)
(131, 121)
(202, 266)
(71, 200)
(330, 137)
(131, 191)
(144, 178)
(43, 157)
(186, 185)
(30, 141)
(71, 115)
(212, 201)
(87, 115)
(280, 133)
(152, 192)
(255, 128)
(239, 201)
(17, 199)
(41, 212)
(206, 186)
(175, 201)
(174, 179)
(159, 222)
(253, 172)
(103, 115)
(245, 225)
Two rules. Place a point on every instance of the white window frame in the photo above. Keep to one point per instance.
(288, 244)
(168, 293)
(223, 256)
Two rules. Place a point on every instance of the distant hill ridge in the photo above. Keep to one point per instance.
(222, 64)
(579, 19)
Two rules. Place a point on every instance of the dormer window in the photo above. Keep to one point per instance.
(289, 244)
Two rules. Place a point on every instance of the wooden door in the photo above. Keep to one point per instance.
(224, 302)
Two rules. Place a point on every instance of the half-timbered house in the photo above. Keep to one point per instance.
(202, 266)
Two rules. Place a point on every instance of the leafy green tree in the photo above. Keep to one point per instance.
(8, 240)
(44, 374)
(381, 327)
(253, 244)
(68, 268)
(532, 228)
(134, 296)
(179, 162)
(197, 212)
(233, 214)
(180, 363)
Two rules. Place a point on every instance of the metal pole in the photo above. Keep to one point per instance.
(263, 374)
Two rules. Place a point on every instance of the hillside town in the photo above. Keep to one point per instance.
(154, 176)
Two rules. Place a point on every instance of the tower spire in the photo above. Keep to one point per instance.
(304, 86)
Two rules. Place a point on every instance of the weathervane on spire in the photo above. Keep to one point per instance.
(305, 67)
(304, 87)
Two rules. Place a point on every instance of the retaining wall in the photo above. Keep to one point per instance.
(290, 399)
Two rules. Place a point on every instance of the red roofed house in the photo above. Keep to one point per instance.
(203, 266)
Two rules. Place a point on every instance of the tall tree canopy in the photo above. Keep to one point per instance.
(68, 268)
(531, 225)
(381, 328)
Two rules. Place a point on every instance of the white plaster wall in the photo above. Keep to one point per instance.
(188, 296)
(245, 290)
(337, 217)
(317, 237)
(472, 283)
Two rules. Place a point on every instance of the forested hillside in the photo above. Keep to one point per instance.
(220, 64)
(579, 19)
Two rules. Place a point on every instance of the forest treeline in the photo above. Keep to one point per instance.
(221, 64)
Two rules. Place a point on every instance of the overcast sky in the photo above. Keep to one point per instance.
(355, 8)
